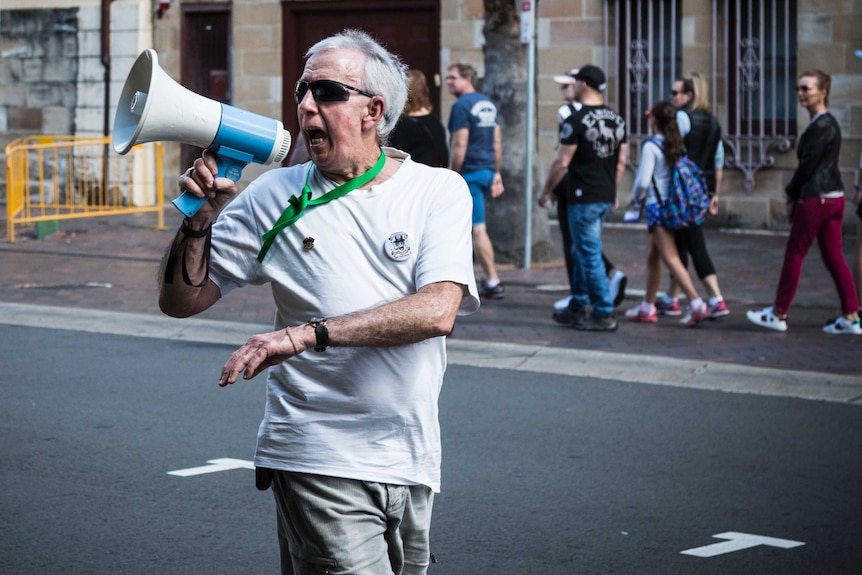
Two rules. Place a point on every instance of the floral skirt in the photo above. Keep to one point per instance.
(652, 212)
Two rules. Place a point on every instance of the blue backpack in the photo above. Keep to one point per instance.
(688, 195)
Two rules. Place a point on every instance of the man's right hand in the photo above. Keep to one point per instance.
(201, 181)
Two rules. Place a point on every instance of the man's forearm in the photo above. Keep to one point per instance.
(185, 288)
(429, 313)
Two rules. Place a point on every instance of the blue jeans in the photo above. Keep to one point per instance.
(335, 525)
(589, 278)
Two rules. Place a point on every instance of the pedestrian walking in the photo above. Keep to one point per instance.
(420, 132)
(475, 153)
(651, 190)
(592, 152)
(368, 258)
(857, 261)
(617, 279)
(702, 139)
(815, 206)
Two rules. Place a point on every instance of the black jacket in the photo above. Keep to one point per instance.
(701, 143)
(817, 152)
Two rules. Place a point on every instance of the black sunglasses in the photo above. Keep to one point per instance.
(677, 92)
(325, 91)
(802, 88)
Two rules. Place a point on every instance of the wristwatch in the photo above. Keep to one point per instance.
(320, 333)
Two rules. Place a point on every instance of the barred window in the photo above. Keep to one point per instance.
(762, 49)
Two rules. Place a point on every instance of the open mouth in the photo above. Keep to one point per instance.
(315, 136)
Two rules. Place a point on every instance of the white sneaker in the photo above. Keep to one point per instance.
(562, 304)
(767, 318)
(840, 326)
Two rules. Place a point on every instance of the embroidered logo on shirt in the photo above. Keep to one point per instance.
(398, 246)
(308, 243)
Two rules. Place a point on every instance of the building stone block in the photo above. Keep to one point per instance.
(57, 120)
(24, 119)
(127, 16)
(814, 29)
(256, 14)
(458, 35)
(89, 120)
(90, 43)
(4, 120)
(744, 213)
(472, 9)
(92, 93)
(13, 95)
(577, 33)
(125, 44)
(90, 17)
(560, 9)
(59, 70)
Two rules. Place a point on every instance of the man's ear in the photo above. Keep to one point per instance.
(375, 109)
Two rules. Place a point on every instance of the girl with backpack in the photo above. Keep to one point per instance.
(652, 183)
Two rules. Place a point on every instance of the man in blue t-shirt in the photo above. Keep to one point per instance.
(475, 154)
(592, 151)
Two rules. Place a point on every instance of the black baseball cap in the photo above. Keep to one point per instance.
(593, 77)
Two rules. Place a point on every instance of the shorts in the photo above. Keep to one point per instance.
(479, 183)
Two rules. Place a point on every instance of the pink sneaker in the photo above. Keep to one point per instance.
(639, 313)
(719, 309)
(695, 315)
(667, 306)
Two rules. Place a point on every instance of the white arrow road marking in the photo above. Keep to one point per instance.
(738, 541)
(223, 464)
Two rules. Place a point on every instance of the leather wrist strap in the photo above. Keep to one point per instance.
(187, 231)
(321, 333)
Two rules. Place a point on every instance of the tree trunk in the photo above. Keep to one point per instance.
(505, 83)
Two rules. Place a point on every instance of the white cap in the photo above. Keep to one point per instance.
(567, 78)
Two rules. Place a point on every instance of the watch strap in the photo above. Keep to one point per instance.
(321, 333)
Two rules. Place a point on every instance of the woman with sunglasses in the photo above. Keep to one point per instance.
(369, 260)
(701, 134)
(815, 206)
(650, 190)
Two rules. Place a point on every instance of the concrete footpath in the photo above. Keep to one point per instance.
(102, 272)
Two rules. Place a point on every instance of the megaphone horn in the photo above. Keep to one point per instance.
(153, 107)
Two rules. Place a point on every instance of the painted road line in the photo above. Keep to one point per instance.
(213, 466)
(737, 542)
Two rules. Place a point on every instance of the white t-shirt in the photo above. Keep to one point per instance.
(358, 413)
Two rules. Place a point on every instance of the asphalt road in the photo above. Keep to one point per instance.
(542, 472)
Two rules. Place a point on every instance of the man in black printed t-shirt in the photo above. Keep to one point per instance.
(593, 151)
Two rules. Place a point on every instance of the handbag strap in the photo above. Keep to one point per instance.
(652, 178)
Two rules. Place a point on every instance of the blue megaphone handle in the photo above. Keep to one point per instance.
(230, 165)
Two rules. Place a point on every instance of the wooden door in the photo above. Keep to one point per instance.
(205, 58)
(409, 29)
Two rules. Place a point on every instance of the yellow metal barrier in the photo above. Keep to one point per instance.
(63, 177)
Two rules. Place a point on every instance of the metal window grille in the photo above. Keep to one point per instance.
(760, 41)
(755, 55)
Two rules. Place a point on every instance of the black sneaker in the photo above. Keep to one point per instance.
(569, 316)
(596, 323)
(496, 292)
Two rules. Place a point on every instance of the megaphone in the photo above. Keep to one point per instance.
(153, 107)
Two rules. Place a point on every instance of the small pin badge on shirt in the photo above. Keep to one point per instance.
(398, 246)
(308, 243)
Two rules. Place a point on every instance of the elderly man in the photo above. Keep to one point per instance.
(369, 258)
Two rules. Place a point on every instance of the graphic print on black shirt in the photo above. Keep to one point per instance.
(598, 132)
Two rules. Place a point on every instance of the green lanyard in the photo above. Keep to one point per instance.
(296, 205)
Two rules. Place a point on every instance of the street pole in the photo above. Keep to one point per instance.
(528, 37)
